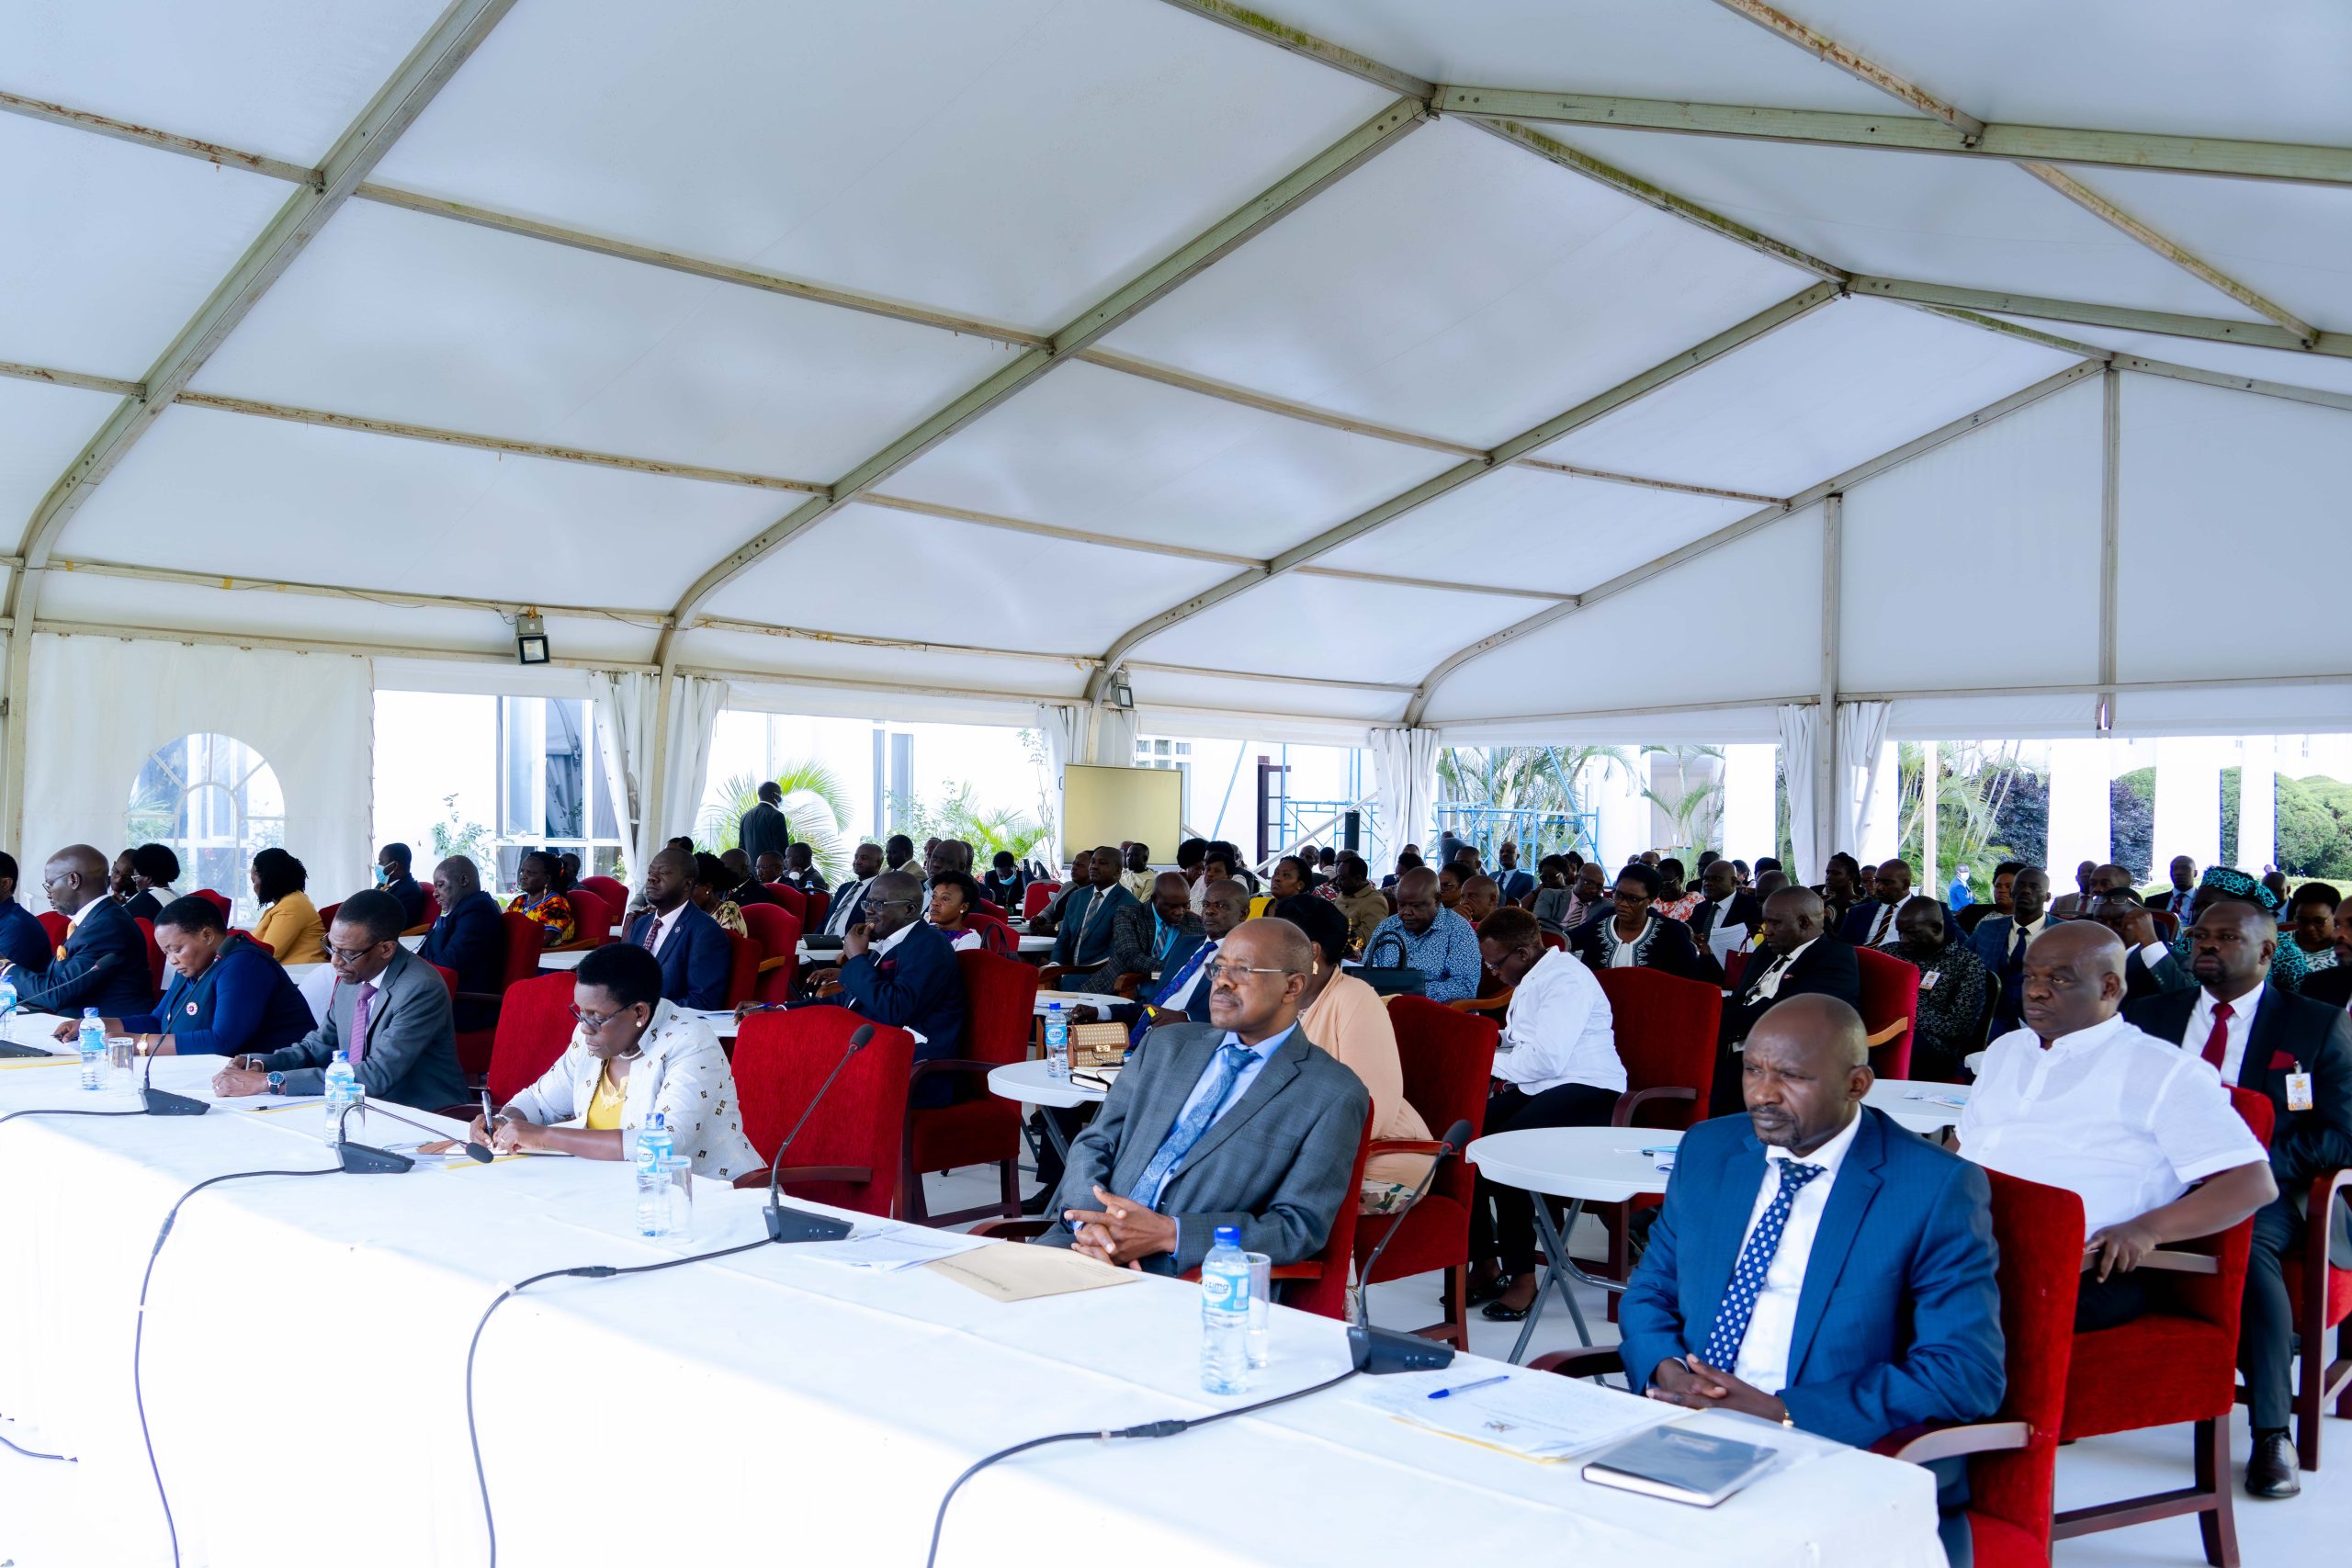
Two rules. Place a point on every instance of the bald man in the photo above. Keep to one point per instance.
(1793, 957)
(1238, 1122)
(102, 964)
(1813, 1262)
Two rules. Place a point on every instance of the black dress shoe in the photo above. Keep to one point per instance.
(2270, 1470)
(1477, 1294)
(1496, 1312)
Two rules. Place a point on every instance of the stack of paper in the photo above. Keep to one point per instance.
(886, 1248)
(1537, 1415)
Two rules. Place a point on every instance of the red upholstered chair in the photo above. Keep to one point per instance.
(995, 935)
(1666, 1029)
(2175, 1364)
(2013, 1456)
(848, 1155)
(978, 1128)
(1735, 965)
(794, 901)
(743, 973)
(1035, 898)
(778, 935)
(326, 915)
(992, 910)
(1319, 1284)
(154, 953)
(609, 888)
(1448, 1058)
(477, 1047)
(2323, 1297)
(817, 904)
(592, 918)
(1556, 941)
(58, 927)
(426, 914)
(218, 900)
(534, 1026)
(449, 978)
(1890, 1008)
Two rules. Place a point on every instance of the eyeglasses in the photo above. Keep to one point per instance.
(1218, 969)
(595, 1022)
(352, 954)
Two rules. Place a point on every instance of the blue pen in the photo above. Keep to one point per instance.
(1471, 1387)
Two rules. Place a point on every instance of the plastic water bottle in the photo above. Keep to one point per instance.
(654, 1141)
(1225, 1314)
(1056, 1043)
(7, 997)
(342, 1089)
(93, 1050)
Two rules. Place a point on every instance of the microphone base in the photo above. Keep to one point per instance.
(786, 1224)
(1380, 1351)
(361, 1159)
(160, 1103)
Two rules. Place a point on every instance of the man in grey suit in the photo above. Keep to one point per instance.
(389, 1010)
(1240, 1122)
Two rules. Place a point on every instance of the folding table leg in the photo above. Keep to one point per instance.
(1556, 1271)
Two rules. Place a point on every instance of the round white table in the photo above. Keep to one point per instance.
(565, 958)
(1101, 1001)
(1918, 1105)
(1030, 947)
(1584, 1165)
(1029, 1083)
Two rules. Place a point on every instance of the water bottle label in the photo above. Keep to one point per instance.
(1224, 1292)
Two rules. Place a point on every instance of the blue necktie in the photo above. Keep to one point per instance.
(1754, 1262)
(1189, 1128)
(1142, 1026)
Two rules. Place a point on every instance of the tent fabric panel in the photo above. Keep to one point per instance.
(2032, 716)
(278, 77)
(564, 346)
(220, 492)
(1526, 528)
(42, 428)
(1364, 631)
(2310, 709)
(1634, 48)
(2264, 73)
(106, 249)
(955, 583)
(1977, 564)
(2319, 372)
(1515, 293)
(1957, 221)
(1007, 158)
(1094, 449)
(1641, 646)
(1853, 380)
(1753, 725)
(943, 671)
(2215, 486)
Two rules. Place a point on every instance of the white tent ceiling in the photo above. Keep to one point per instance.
(721, 331)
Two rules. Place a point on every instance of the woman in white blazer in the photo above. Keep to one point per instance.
(632, 1054)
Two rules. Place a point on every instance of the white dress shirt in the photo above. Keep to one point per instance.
(1558, 1030)
(1883, 923)
(2201, 1025)
(2120, 1117)
(663, 925)
(2009, 944)
(837, 913)
(1764, 1354)
(1767, 984)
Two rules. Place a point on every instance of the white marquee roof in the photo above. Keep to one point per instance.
(1507, 365)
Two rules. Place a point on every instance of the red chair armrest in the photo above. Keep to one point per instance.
(1403, 1146)
(1590, 1363)
(1629, 1103)
(781, 961)
(1936, 1439)
(1012, 1230)
(792, 1173)
(1497, 1003)
(2319, 1230)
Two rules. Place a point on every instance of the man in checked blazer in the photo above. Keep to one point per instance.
(1240, 1122)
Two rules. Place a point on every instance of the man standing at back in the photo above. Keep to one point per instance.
(1516, 885)
(102, 964)
(2297, 1053)
(763, 829)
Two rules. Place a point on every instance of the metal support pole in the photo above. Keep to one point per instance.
(2110, 531)
(1828, 767)
(1931, 874)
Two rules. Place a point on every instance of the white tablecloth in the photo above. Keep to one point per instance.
(304, 1376)
(1918, 1104)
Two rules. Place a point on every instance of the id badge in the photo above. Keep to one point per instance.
(2299, 1091)
(1928, 981)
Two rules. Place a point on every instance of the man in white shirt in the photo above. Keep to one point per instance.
(2078, 1099)
(1556, 1065)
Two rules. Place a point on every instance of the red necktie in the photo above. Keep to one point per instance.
(2217, 1045)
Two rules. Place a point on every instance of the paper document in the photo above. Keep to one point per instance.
(1537, 1415)
(270, 1104)
(1932, 1096)
(1724, 940)
(1012, 1272)
(888, 1249)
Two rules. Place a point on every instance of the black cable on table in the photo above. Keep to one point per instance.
(139, 1336)
(1148, 1429)
(586, 1271)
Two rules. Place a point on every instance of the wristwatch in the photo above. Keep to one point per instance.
(278, 1083)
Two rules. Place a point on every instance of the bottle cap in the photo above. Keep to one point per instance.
(1228, 1235)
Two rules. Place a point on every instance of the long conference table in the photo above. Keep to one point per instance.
(304, 1377)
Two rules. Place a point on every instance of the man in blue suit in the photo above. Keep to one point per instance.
(469, 940)
(2001, 942)
(1814, 1263)
(900, 971)
(695, 961)
(104, 961)
(24, 945)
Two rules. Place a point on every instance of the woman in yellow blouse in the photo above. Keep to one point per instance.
(1347, 1018)
(289, 924)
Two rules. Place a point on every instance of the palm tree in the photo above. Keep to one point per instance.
(815, 804)
(1534, 782)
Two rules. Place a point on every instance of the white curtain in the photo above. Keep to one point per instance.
(98, 706)
(1800, 743)
(1864, 809)
(1404, 772)
(1114, 738)
(1062, 725)
(627, 707)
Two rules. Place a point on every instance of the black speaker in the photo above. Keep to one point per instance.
(1351, 830)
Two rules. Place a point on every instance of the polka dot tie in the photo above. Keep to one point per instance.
(1754, 1262)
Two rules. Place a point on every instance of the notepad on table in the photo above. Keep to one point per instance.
(1533, 1415)
(1681, 1465)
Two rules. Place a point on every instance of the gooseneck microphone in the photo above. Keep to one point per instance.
(363, 1159)
(1380, 1350)
(162, 1102)
(786, 1224)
